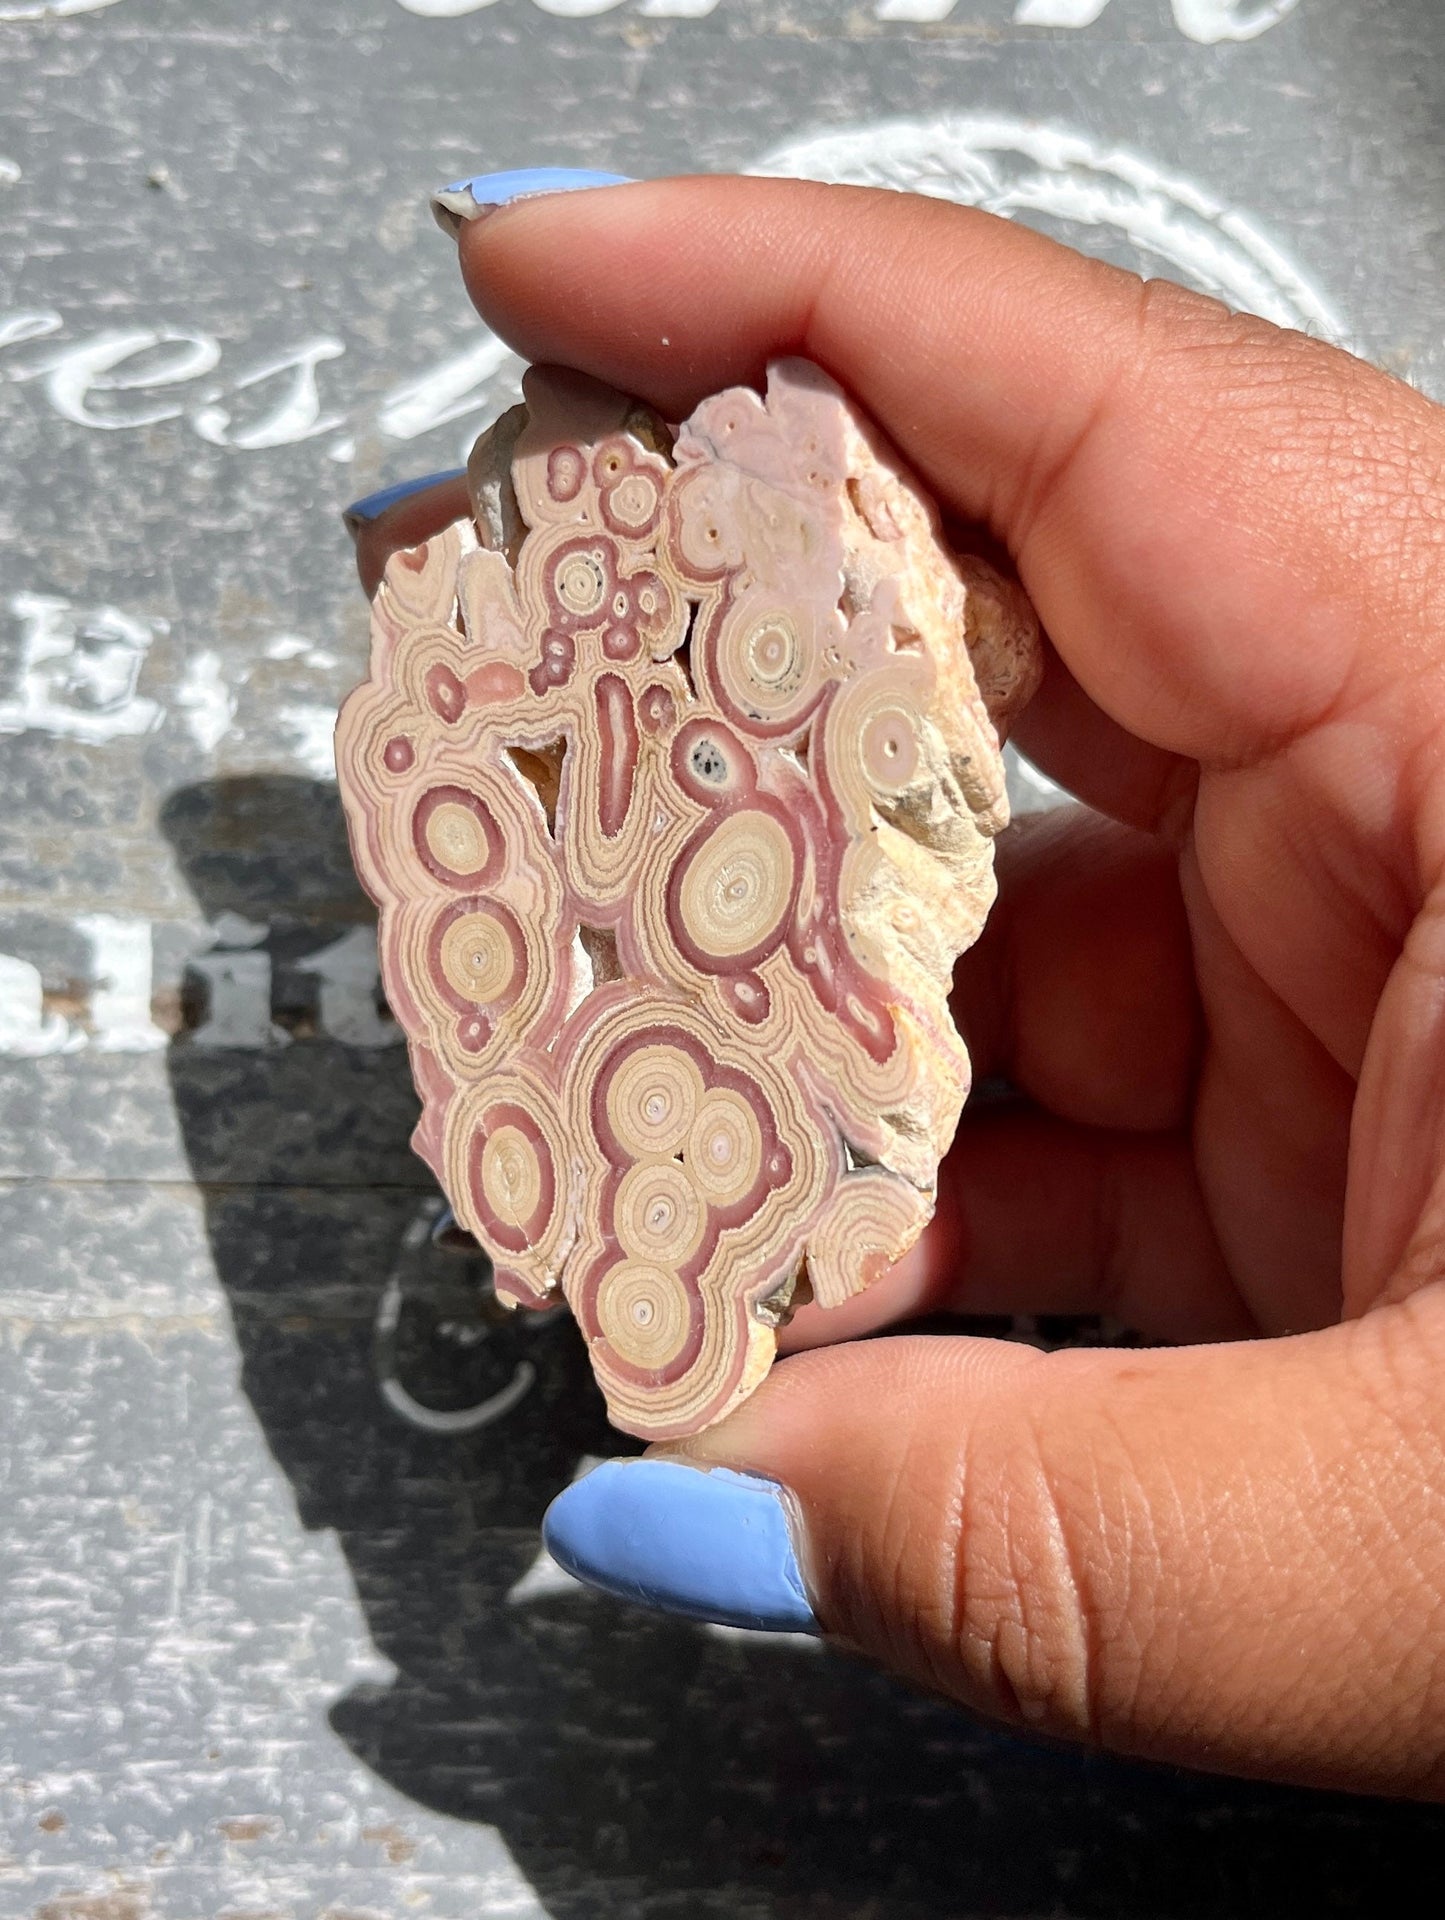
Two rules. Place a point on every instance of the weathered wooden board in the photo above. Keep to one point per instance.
(276, 1638)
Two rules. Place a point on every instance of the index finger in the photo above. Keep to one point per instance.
(1196, 500)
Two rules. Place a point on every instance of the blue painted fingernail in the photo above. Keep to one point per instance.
(703, 1542)
(483, 193)
(376, 504)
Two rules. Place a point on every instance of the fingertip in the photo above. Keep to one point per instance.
(633, 283)
(699, 1542)
(372, 506)
(403, 515)
(479, 196)
(1122, 438)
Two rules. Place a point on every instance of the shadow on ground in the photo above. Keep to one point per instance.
(632, 1766)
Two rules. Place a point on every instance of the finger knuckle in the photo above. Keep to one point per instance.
(1037, 1608)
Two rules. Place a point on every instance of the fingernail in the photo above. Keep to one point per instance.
(705, 1543)
(483, 193)
(376, 504)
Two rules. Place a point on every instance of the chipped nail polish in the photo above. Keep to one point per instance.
(452, 207)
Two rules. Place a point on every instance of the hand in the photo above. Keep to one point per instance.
(1219, 987)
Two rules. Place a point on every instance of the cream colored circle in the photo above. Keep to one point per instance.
(738, 884)
(456, 837)
(889, 747)
(633, 501)
(511, 1176)
(707, 523)
(477, 957)
(581, 583)
(645, 1312)
(775, 655)
(652, 1099)
(658, 1214)
(725, 1147)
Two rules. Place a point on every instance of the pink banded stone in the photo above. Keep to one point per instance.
(676, 778)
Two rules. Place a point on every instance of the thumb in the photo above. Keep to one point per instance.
(1230, 1557)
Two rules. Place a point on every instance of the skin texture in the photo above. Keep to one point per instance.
(1219, 987)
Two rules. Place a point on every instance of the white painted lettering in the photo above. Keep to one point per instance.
(296, 415)
(460, 385)
(50, 9)
(120, 996)
(1058, 13)
(78, 671)
(32, 324)
(238, 988)
(349, 976)
(72, 374)
(1207, 21)
(295, 646)
(1210, 21)
(312, 728)
(238, 974)
(27, 1031)
(1015, 166)
(918, 10)
(206, 703)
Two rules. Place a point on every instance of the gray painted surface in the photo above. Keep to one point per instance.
(269, 1645)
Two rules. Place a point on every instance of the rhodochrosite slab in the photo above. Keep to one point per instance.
(675, 779)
